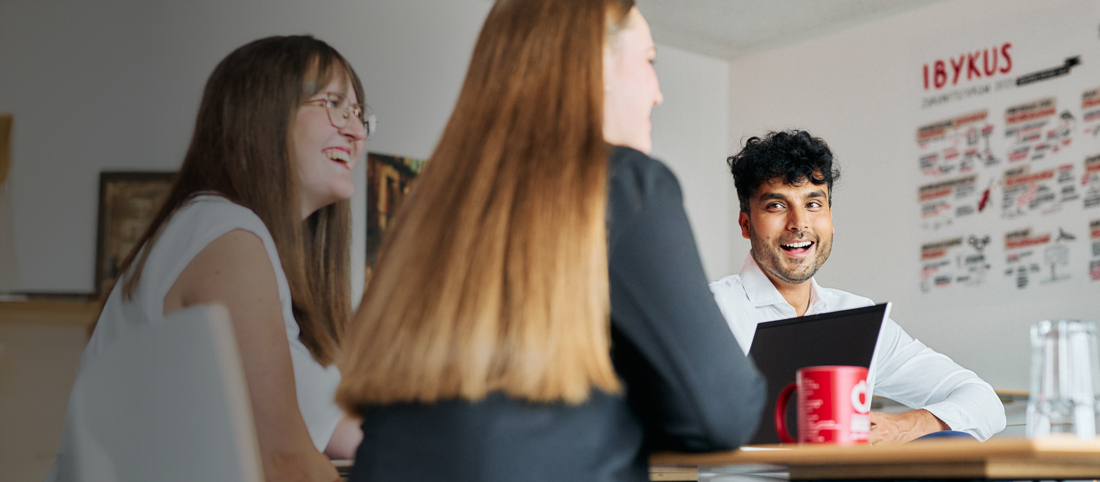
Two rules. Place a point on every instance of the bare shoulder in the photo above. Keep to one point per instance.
(233, 270)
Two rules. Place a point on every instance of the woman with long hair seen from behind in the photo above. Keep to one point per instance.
(258, 220)
(539, 310)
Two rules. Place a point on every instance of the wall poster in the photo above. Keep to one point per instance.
(1006, 151)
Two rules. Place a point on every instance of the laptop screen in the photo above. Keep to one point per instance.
(781, 347)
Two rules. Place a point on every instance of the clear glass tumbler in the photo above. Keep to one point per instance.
(1065, 367)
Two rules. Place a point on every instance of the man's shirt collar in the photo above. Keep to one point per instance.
(761, 292)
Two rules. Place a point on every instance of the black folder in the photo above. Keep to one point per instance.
(781, 347)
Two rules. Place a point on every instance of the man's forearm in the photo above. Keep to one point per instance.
(902, 427)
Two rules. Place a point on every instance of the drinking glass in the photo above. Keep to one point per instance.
(1064, 370)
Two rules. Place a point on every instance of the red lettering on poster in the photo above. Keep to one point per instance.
(972, 68)
(941, 74)
(1090, 99)
(1026, 242)
(1026, 178)
(935, 75)
(1032, 115)
(975, 117)
(935, 193)
(987, 67)
(932, 253)
(957, 68)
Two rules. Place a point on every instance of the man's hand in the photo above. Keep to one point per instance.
(888, 429)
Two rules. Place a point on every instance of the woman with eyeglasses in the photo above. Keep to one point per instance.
(258, 220)
(539, 310)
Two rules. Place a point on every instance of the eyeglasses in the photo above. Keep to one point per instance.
(340, 110)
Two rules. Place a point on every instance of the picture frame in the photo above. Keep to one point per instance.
(128, 202)
(389, 179)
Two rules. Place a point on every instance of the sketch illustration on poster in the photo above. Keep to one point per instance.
(942, 202)
(1043, 258)
(974, 265)
(1036, 130)
(956, 145)
(1044, 191)
(1090, 181)
(952, 262)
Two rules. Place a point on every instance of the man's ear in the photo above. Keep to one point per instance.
(743, 220)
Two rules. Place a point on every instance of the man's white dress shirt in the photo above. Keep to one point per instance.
(902, 369)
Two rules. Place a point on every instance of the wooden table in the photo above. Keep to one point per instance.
(57, 312)
(999, 458)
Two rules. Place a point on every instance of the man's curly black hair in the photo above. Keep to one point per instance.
(792, 156)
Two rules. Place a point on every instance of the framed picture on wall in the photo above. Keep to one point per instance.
(389, 179)
(128, 201)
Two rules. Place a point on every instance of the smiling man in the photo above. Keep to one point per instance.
(784, 184)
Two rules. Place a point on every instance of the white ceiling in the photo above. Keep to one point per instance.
(730, 29)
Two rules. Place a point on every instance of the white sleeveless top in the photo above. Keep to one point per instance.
(190, 229)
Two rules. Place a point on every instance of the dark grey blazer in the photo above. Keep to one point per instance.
(688, 386)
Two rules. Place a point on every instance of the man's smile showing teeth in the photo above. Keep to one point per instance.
(797, 248)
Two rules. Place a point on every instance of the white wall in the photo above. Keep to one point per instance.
(856, 90)
(690, 134)
(115, 85)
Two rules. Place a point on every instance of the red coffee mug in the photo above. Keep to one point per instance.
(833, 406)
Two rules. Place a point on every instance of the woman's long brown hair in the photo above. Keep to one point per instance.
(494, 276)
(241, 150)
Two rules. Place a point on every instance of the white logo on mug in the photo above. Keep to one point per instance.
(860, 392)
(860, 424)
